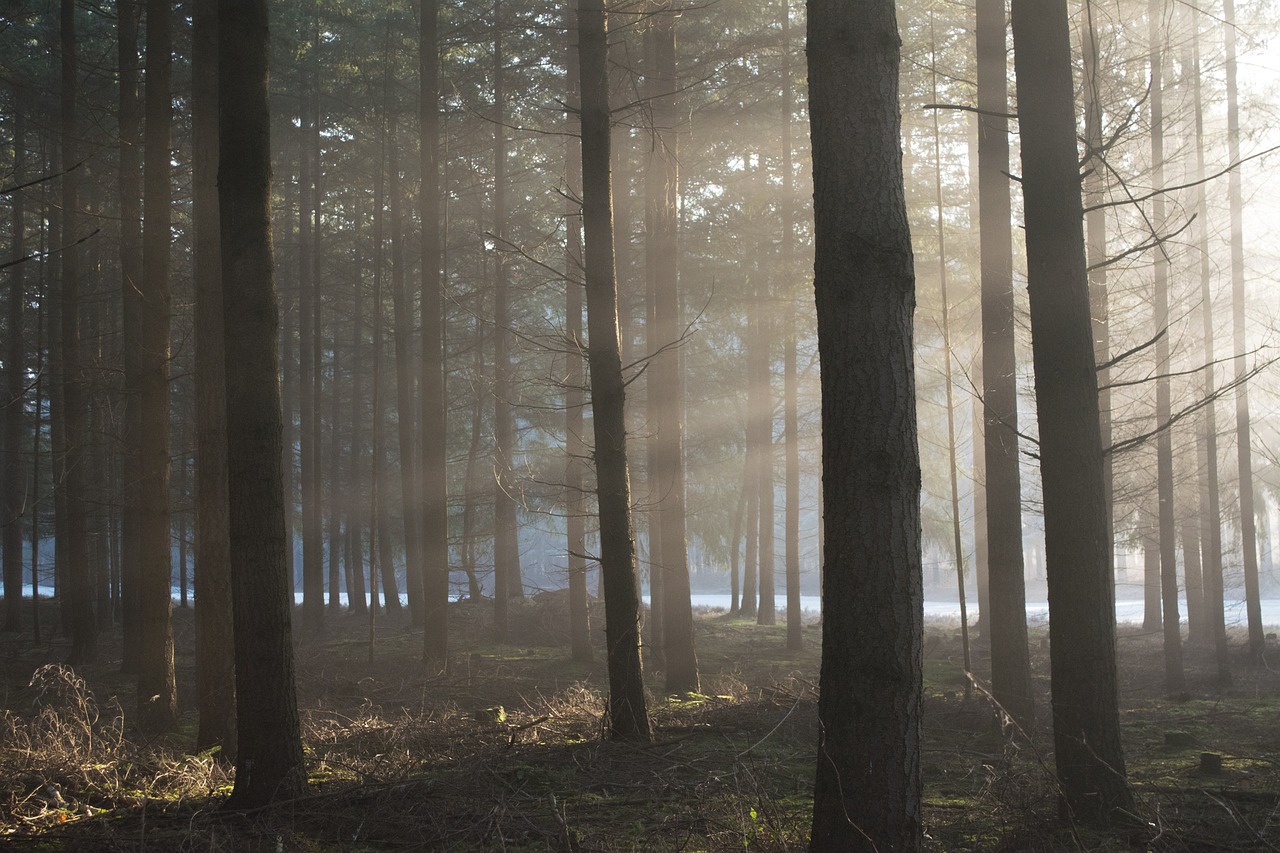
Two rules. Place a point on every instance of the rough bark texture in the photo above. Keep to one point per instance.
(78, 617)
(435, 500)
(215, 644)
(628, 715)
(1010, 662)
(1086, 726)
(269, 762)
(867, 791)
(157, 690)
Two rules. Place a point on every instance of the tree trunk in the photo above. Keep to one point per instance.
(1244, 449)
(1174, 681)
(790, 380)
(403, 313)
(11, 509)
(1089, 758)
(356, 516)
(575, 378)
(157, 690)
(628, 715)
(869, 708)
(1210, 511)
(130, 180)
(215, 642)
(1010, 661)
(435, 498)
(78, 616)
(380, 525)
(506, 541)
(269, 763)
(308, 429)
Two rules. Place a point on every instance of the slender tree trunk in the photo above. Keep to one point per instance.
(37, 430)
(356, 515)
(380, 524)
(957, 540)
(628, 715)
(130, 187)
(312, 558)
(403, 312)
(1090, 762)
(78, 613)
(868, 789)
(1010, 661)
(762, 385)
(11, 509)
(1210, 511)
(575, 378)
(1244, 448)
(335, 484)
(1174, 680)
(215, 643)
(1152, 618)
(1194, 578)
(735, 604)
(157, 690)
(506, 542)
(269, 763)
(435, 498)
(790, 379)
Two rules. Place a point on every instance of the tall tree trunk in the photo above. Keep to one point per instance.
(751, 486)
(790, 380)
(380, 524)
(356, 516)
(403, 312)
(1244, 448)
(130, 187)
(336, 487)
(667, 368)
(1090, 762)
(628, 715)
(1173, 676)
(269, 763)
(308, 432)
(506, 542)
(434, 417)
(869, 708)
(762, 385)
(1210, 511)
(215, 642)
(11, 510)
(78, 603)
(940, 223)
(575, 378)
(38, 427)
(1010, 661)
(157, 690)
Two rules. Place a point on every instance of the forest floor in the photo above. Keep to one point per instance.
(505, 752)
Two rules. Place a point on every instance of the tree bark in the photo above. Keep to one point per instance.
(1090, 762)
(1010, 661)
(215, 641)
(628, 715)
(157, 690)
(11, 510)
(269, 763)
(868, 788)
(790, 379)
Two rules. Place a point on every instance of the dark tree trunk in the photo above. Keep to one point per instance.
(1174, 680)
(1010, 662)
(308, 428)
(1244, 436)
(1089, 758)
(628, 715)
(269, 763)
(867, 791)
(157, 690)
(130, 187)
(575, 375)
(790, 379)
(356, 516)
(11, 510)
(380, 525)
(403, 311)
(78, 615)
(435, 498)
(506, 542)
(1210, 511)
(666, 370)
(215, 642)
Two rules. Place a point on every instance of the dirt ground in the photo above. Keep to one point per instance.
(505, 751)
